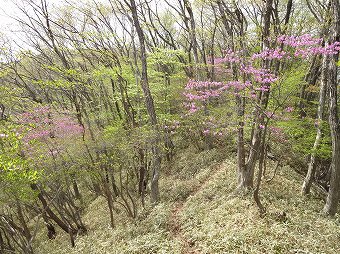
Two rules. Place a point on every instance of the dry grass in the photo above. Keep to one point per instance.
(210, 220)
(217, 223)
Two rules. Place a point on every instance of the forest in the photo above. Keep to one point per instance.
(170, 126)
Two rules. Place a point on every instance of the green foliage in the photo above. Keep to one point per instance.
(102, 73)
(16, 175)
(166, 59)
(301, 134)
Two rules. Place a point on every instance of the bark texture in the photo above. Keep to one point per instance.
(311, 166)
(332, 201)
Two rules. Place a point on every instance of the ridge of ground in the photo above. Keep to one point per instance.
(197, 215)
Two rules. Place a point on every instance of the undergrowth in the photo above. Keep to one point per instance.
(211, 220)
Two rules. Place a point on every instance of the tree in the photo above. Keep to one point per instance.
(148, 102)
(333, 196)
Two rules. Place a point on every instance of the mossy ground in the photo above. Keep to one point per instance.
(198, 215)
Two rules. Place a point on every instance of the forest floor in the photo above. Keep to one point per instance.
(175, 224)
(198, 215)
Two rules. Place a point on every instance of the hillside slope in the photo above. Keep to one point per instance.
(198, 215)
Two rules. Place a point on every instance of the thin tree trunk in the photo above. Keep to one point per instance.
(256, 194)
(192, 32)
(109, 198)
(26, 230)
(48, 210)
(311, 166)
(243, 179)
(51, 233)
(263, 100)
(75, 187)
(2, 243)
(149, 104)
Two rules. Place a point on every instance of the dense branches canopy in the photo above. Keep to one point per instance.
(124, 103)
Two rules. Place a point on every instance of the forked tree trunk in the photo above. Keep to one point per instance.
(260, 174)
(243, 178)
(263, 101)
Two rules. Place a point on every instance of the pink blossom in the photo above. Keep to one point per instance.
(278, 134)
(270, 54)
(289, 109)
(298, 41)
(270, 115)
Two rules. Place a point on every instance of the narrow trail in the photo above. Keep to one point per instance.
(188, 247)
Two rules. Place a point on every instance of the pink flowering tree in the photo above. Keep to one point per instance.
(48, 134)
(52, 140)
(250, 79)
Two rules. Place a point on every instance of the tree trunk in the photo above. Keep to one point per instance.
(75, 187)
(263, 101)
(51, 233)
(310, 79)
(149, 105)
(26, 231)
(262, 152)
(192, 32)
(332, 201)
(311, 166)
(243, 178)
(109, 199)
(2, 243)
(48, 210)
